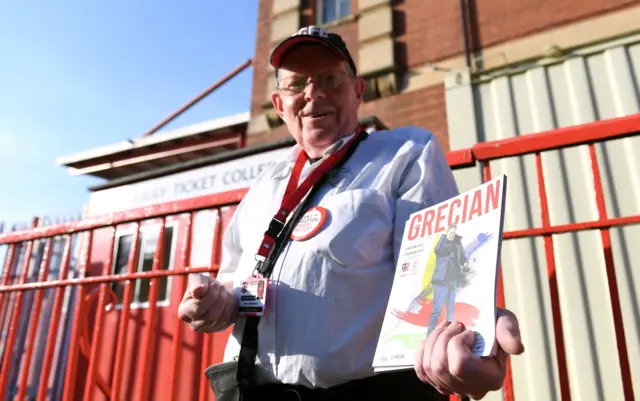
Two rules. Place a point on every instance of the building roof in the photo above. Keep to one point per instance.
(159, 150)
(371, 122)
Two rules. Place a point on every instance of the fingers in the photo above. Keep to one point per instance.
(207, 304)
(478, 375)
(230, 311)
(439, 370)
(424, 352)
(446, 361)
(213, 314)
(424, 365)
(197, 286)
(508, 332)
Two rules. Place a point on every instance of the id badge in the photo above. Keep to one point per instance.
(253, 294)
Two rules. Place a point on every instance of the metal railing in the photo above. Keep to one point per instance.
(81, 361)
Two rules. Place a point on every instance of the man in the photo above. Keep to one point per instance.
(450, 264)
(330, 286)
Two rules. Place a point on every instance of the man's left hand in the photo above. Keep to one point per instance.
(445, 360)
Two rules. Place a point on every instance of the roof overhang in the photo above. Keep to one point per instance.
(370, 122)
(160, 150)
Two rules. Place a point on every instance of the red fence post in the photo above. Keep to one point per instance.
(55, 321)
(33, 324)
(146, 351)
(177, 328)
(97, 331)
(614, 296)
(15, 320)
(127, 296)
(72, 362)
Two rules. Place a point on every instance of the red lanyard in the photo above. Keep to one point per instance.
(294, 193)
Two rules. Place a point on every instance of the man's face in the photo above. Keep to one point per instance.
(451, 234)
(317, 96)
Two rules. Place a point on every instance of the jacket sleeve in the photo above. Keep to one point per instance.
(461, 256)
(438, 248)
(427, 180)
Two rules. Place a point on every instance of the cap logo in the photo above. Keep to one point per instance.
(312, 31)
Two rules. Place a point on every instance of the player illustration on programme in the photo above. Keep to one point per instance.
(451, 266)
(447, 270)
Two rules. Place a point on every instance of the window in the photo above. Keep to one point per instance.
(147, 243)
(329, 10)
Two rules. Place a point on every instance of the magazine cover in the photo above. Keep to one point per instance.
(447, 269)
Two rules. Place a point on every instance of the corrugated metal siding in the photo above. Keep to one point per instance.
(598, 84)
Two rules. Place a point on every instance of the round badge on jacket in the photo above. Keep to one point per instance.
(309, 224)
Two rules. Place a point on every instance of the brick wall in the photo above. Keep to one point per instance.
(432, 30)
(428, 31)
(424, 108)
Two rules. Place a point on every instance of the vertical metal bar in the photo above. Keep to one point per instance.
(558, 332)
(96, 341)
(118, 369)
(33, 323)
(55, 321)
(72, 359)
(185, 258)
(614, 296)
(13, 326)
(6, 275)
(206, 339)
(507, 386)
(148, 342)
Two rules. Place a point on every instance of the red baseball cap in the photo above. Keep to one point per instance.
(313, 34)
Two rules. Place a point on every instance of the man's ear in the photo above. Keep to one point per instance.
(276, 101)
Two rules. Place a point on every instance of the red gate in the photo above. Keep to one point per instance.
(112, 351)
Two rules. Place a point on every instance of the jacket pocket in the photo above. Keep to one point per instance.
(359, 229)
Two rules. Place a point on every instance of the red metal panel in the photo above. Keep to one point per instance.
(573, 227)
(98, 327)
(118, 370)
(151, 320)
(192, 352)
(508, 380)
(614, 297)
(127, 216)
(6, 274)
(460, 158)
(69, 392)
(33, 324)
(553, 286)
(174, 362)
(210, 340)
(13, 328)
(55, 321)
(558, 138)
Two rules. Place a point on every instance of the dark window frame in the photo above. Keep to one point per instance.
(147, 245)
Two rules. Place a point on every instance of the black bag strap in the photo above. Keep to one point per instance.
(249, 346)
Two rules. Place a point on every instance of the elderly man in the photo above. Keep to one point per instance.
(329, 276)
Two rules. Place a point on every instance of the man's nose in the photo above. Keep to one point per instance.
(313, 92)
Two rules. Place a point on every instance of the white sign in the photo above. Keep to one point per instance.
(227, 176)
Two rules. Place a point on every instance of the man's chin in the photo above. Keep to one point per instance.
(321, 133)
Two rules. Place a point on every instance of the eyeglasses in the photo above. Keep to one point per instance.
(327, 81)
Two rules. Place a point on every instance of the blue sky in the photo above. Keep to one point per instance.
(81, 74)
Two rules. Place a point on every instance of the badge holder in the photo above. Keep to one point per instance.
(253, 296)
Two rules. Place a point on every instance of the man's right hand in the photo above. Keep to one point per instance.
(207, 305)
